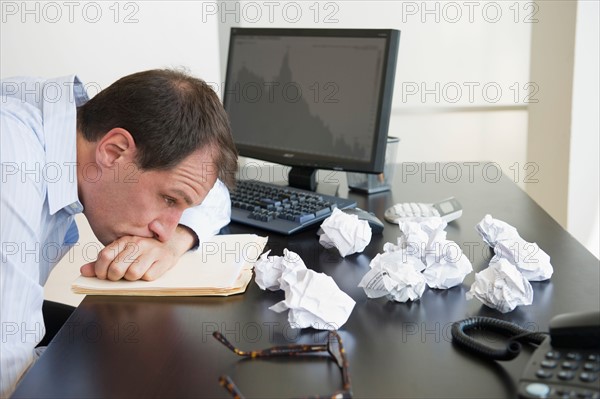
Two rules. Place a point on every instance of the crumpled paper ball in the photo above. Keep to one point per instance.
(419, 237)
(493, 230)
(313, 299)
(345, 232)
(269, 269)
(396, 275)
(447, 266)
(444, 263)
(528, 257)
(501, 286)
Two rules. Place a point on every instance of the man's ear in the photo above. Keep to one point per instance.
(116, 146)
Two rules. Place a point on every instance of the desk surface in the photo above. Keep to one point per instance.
(162, 347)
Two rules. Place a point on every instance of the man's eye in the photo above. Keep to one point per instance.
(170, 201)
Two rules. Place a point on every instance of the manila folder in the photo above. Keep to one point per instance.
(221, 266)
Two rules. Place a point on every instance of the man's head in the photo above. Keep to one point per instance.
(149, 146)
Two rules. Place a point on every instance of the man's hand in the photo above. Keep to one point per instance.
(139, 258)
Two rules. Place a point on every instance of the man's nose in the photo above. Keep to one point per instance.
(164, 226)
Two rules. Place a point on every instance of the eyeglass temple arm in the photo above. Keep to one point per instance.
(283, 350)
(229, 385)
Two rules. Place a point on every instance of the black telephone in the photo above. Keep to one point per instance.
(566, 364)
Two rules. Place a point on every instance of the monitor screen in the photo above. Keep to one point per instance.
(312, 98)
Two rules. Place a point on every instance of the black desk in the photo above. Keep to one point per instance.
(162, 347)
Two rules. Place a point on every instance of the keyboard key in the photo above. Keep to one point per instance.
(588, 377)
(591, 366)
(321, 212)
(304, 218)
(281, 209)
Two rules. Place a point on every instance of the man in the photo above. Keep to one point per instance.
(146, 160)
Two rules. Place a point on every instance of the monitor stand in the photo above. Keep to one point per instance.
(305, 178)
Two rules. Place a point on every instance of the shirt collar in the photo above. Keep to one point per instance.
(61, 97)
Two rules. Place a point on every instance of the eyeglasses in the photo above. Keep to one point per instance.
(333, 346)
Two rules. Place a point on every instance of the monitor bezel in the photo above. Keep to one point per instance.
(384, 106)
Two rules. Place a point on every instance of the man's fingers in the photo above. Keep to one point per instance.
(157, 269)
(88, 270)
(105, 258)
(138, 268)
(132, 258)
(122, 261)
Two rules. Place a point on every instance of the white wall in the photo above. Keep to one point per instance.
(583, 199)
(549, 127)
(102, 41)
(563, 126)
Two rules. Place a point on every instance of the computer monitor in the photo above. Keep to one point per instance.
(311, 98)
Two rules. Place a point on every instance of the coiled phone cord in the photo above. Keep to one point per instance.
(516, 333)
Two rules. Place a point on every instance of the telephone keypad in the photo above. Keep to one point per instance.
(570, 365)
(566, 375)
(552, 355)
(549, 364)
(573, 374)
(591, 366)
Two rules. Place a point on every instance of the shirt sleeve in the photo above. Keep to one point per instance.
(21, 203)
(211, 216)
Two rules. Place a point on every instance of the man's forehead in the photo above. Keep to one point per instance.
(203, 161)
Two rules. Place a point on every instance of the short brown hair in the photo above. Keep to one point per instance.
(169, 113)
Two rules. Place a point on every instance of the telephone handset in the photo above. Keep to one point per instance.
(566, 364)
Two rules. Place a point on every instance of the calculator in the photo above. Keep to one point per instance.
(448, 209)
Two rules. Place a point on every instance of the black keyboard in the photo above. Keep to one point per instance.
(281, 209)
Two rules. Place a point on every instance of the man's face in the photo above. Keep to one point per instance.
(127, 201)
